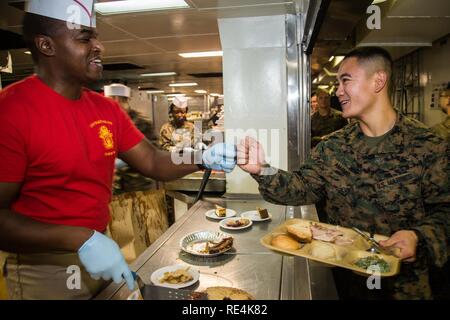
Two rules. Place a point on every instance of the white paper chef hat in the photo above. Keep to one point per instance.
(78, 12)
(180, 102)
(117, 89)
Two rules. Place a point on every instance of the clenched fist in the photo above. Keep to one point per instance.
(250, 155)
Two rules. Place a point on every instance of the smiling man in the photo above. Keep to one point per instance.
(384, 173)
(58, 144)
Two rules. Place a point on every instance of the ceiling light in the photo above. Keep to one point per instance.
(158, 74)
(201, 54)
(329, 73)
(126, 6)
(315, 80)
(155, 91)
(215, 94)
(175, 94)
(324, 86)
(377, 1)
(331, 58)
(187, 84)
(27, 52)
(201, 91)
(338, 60)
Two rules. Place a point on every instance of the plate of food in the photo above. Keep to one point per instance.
(175, 276)
(226, 293)
(235, 223)
(220, 213)
(261, 214)
(206, 243)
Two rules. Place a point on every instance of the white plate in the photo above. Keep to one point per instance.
(158, 274)
(212, 214)
(223, 223)
(254, 215)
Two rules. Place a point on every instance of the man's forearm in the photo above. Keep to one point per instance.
(20, 234)
(165, 168)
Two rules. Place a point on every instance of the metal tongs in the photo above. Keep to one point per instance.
(375, 246)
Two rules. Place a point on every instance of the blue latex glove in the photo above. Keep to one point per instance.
(119, 163)
(221, 157)
(102, 258)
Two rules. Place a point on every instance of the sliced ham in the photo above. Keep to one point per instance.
(324, 234)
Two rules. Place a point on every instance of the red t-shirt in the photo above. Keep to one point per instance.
(62, 151)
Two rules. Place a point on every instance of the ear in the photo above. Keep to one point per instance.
(45, 45)
(380, 78)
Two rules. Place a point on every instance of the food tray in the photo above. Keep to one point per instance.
(345, 255)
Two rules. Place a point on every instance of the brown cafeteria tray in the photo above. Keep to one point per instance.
(344, 255)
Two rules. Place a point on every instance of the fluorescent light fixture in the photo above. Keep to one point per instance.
(324, 86)
(27, 52)
(158, 74)
(329, 73)
(200, 91)
(315, 80)
(201, 54)
(215, 94)
(321, 76)
(187, 84)
(331, 58)
(338, 60)
(127, 6)
(155, 91)
(377, 1)
(175, 94)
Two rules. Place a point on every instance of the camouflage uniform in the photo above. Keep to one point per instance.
(127, 179)
(443, 129)
(401, 183)
(321, 126)
(172, 137)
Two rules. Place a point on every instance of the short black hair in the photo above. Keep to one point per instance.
(374, 54)
(34, 25)
(314, 93)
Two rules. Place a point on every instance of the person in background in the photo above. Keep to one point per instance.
(58, 145)
(314, 104)
(178, 133)
(443, 129)
(326, 120)
(384, 173)
(126, 178)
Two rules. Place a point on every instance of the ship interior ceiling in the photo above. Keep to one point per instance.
(149, 42)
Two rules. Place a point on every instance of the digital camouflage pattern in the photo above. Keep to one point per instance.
(321, 126)
(127, 179)
(171, 137)
(443, 129)
(400, 184)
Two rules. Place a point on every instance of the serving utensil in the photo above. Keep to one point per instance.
(375, 247)
(152, 292)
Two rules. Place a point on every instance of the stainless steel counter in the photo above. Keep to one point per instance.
(248, 266)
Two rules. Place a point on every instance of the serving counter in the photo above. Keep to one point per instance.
(248, 266)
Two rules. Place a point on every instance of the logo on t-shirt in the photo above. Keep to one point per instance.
(106, 135)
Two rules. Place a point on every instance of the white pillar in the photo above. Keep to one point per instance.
(255, 87)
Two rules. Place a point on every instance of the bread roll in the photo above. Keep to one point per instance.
(301, 231)
(283, 241)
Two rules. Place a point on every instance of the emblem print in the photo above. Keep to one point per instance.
(106, 136)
